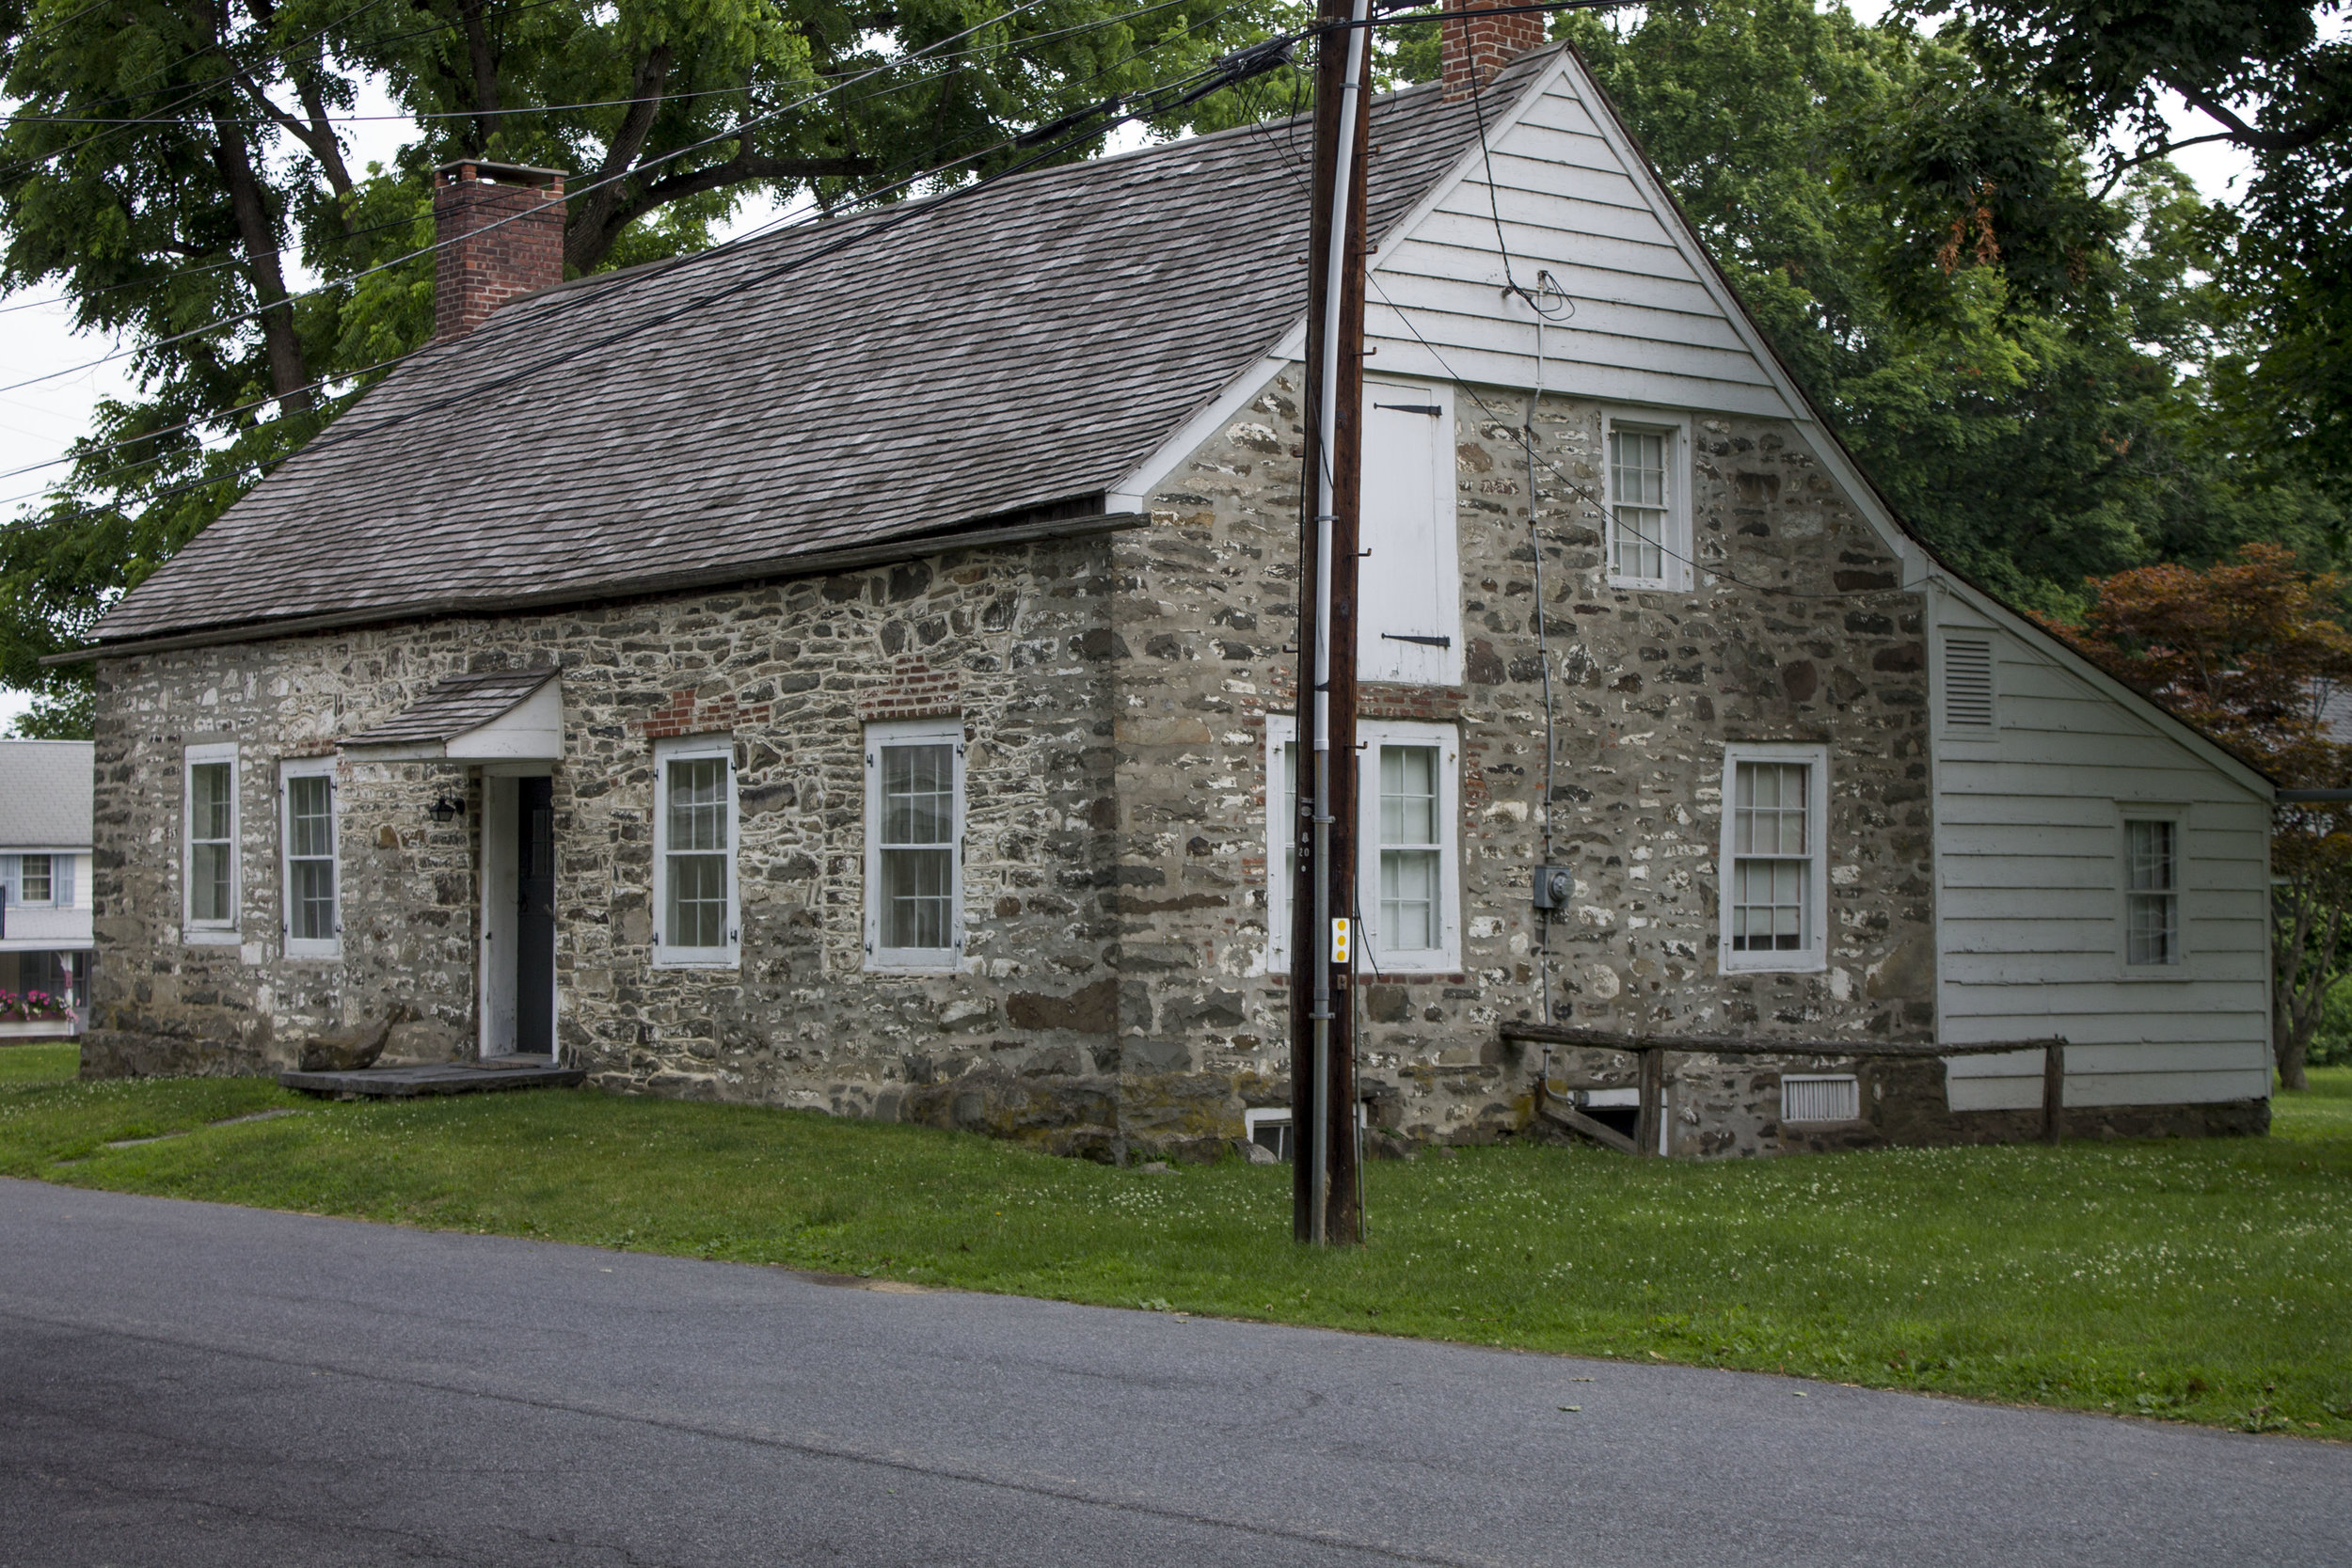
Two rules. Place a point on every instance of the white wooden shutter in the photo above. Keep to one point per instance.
(1408, 591)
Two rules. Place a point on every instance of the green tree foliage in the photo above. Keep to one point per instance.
(178, 170)
(2025, 366)
(2263, 76)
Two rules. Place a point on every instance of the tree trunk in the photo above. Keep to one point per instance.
(290, 379)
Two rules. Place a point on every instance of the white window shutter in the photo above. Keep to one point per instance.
(1404, 586)
(61, 880)
(11, 876)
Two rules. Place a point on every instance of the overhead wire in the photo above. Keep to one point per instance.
(734, 134)
(1193, 81)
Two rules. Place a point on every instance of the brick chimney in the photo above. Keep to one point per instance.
(1472, 50)
(479, 267)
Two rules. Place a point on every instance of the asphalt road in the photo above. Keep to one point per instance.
(190, 1385)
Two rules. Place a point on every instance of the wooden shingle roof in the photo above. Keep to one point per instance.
(1010, 351)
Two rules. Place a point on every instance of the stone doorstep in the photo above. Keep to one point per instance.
(407, 1083)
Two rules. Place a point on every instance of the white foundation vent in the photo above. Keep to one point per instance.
(1968, 683)
(1826, 1099)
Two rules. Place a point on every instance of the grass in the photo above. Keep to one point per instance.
(2196, 1280)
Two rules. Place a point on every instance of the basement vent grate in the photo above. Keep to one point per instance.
(1968, 683)
(1820, 1098)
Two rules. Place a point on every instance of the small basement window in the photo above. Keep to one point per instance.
(1835, 1097)
(1270, 1128)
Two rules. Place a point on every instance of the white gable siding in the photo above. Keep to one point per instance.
(1650, 325)
(2030, 893)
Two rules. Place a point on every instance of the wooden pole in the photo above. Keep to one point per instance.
(1323, 1077)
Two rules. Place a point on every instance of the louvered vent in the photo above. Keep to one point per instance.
(1968, 682)
(1820, 1099)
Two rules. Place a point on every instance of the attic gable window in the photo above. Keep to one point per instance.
(1775, 870)
(1649, 508)
(697, 922)
(914, 845)
(209, 844)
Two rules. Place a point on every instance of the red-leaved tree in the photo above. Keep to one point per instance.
(2250, 651)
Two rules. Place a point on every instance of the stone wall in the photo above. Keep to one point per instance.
(1015, 640)
(1797, 633)
(1114, 692)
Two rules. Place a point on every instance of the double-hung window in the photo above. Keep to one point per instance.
(1408, 874)
(1409, 882)
(209, 846)
(2151, 891)
(914, 844)
(1774, 871)
(312, 917)
(1649, 507)
(697, 921)
(35, 880)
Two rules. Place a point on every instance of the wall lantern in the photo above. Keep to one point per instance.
(447, 809)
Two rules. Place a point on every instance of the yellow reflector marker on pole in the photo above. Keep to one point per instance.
(1338, 940)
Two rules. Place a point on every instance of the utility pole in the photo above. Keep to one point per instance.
(1325, 1209)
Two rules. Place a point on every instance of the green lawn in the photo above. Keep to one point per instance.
(2192, 1280)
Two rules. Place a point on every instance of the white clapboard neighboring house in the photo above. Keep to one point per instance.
(45, 882)
(858, 675)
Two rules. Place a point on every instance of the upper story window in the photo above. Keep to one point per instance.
(35, 882)
(210, 848)
(313, 921)
(694, 836)
(1775, 870)
(914, 844)
(2152, 895)
(1649, 505)
(1408, 582)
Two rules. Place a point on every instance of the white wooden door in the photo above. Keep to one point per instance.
(1409, 592)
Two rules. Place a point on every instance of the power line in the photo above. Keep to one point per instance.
(1251, 59)
(736, 133)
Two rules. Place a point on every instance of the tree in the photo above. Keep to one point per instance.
(2025, 365)
(2264, 77)
(2249, 651)
(178, 169)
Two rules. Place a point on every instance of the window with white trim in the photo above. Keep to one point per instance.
(1649, 505)
(1281, 829)
(209, 844)
(697, 921)
(2151, 891)
(914, 844)
(34, 882)
(312, 919)
(1408, 881)
(1775, 878)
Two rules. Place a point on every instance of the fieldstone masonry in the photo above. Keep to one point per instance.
(1114, 690)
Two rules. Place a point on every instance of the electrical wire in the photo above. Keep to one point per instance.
(736, 133)
(1190, 88)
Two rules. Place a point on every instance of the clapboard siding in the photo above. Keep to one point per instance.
(1650, 325)
(2029, 874)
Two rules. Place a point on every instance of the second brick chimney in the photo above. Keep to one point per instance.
(1473, 49)
(480, 267)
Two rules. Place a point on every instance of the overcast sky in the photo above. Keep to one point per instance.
(39, 422)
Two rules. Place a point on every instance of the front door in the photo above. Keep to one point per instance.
(534, 946)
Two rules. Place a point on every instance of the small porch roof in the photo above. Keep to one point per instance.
(490, 716)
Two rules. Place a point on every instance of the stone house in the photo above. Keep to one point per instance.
(851, 670)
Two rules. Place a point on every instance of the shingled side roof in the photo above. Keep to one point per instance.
(1004, 351)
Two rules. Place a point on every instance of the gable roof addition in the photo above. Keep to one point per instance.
(489, 714)
(981, 356)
